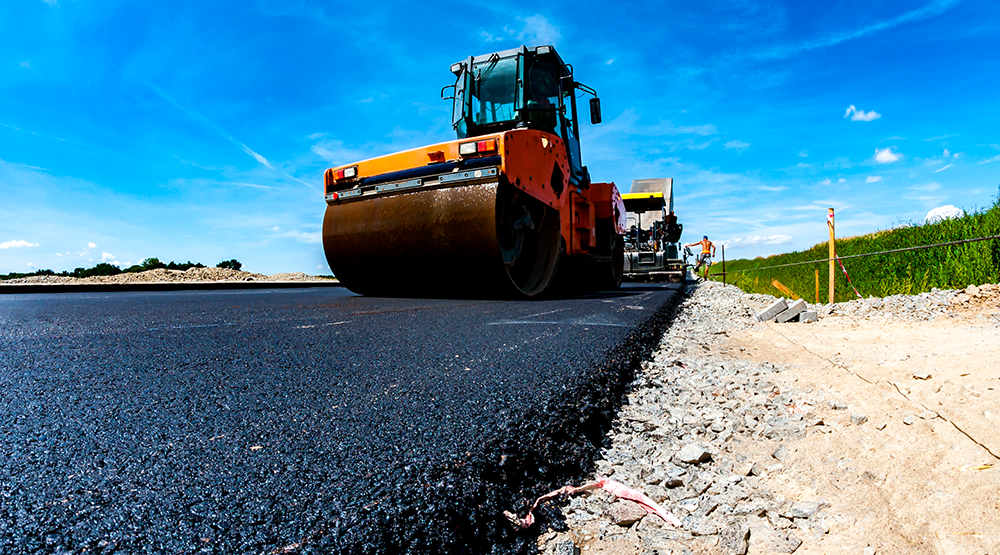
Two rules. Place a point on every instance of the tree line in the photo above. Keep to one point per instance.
(106, 269)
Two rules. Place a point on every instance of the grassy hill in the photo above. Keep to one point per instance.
(947, 267)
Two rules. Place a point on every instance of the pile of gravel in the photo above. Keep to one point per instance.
(161, 275)
(681, 437)
(911, 308)
(925, 306)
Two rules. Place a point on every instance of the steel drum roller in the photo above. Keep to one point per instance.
(486, 239)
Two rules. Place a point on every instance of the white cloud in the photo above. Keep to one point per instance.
(886, 155)
(737, 145)
(841, 180)
(758, 240)
(825, 181)
(944, 168)
(30, 265)
(861, 115)
(107, 256)
(804, 153)
(91, 246)
(873, 179)
(988, 160)
(490, 37)
(538, 30)
(308, 237)
(16, 244)
(26, 64)
(943, 212)
(946, 153)
(609, 62)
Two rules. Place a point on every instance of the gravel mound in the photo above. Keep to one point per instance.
(912, 308)
(161, 275)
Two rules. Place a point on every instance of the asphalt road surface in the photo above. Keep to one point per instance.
(301, 420)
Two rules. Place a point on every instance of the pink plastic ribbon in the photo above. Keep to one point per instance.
(617, 489)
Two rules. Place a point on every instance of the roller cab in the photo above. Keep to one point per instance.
(506, 209)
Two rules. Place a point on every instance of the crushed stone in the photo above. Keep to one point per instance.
(689, 396)
(162, 275)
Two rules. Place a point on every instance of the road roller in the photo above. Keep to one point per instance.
(506, 210)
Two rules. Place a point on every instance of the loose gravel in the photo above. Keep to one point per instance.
(684, 436)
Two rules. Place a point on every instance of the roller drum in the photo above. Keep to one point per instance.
(480, 240)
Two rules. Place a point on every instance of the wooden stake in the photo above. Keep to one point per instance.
(784, 289)
(833, 251)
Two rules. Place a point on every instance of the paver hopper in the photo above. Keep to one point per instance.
(651, 242)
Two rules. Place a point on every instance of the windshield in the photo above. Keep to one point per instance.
(493, 90)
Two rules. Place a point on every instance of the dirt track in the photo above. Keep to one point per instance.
(871, 431)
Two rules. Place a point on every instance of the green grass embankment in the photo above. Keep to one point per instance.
(912, 272)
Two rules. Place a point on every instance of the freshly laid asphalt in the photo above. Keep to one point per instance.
(302, 420)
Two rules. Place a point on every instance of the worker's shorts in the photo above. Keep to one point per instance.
(704, 259)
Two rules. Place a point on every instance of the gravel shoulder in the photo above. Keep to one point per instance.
(870, 431)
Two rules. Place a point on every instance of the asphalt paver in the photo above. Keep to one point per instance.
(302, 420)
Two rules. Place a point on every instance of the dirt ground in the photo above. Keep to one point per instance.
(917, 470)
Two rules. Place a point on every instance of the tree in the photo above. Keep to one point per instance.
(152, 264)
(230, 264)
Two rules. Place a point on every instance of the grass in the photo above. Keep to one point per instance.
(949, 267)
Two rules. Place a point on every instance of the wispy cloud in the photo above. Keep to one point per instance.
(935, 8)
(757, 240)
(16, 244)
(26, 64)
(886, 155)
(803, 153)
(534, 30)
(989, 160)
(538, 30)
(211, 125)
(308, 237)
(861, 115)
(944, 168)
(873, 179)
(737, 145)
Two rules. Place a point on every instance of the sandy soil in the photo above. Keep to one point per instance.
(897, 406)
(922, 474)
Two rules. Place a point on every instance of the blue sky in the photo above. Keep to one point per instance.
(200, 131)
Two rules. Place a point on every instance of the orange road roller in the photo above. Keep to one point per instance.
(506, 210)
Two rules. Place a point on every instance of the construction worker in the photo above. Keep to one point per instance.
(707, 252)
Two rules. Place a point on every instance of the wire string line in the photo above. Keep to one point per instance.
(919, 247)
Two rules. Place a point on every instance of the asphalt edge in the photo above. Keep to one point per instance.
(546, 449)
